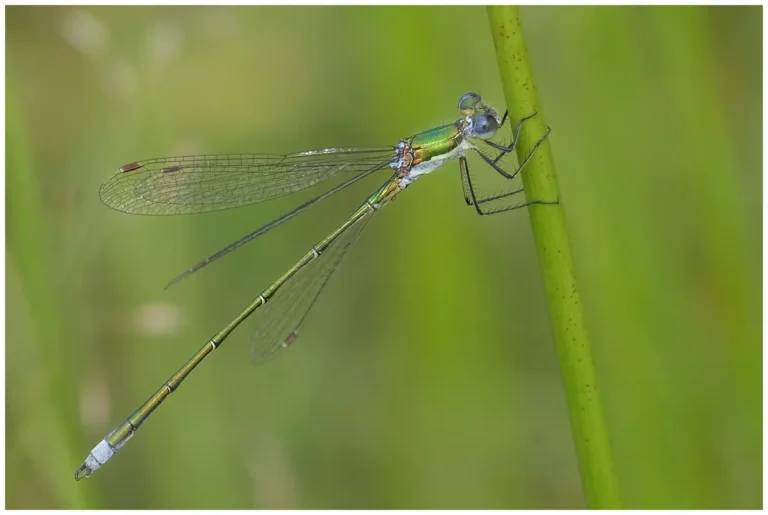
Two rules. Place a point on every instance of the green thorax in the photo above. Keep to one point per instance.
(435, 142)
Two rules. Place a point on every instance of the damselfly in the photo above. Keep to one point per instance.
(195, 184)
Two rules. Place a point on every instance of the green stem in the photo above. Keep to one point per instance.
(590, 435)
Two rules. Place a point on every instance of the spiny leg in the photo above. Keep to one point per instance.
(500, 196)
(464, 168)
(515, 136)
(518, 206)
(504, 118)
(467, 179)
(504, 174)
(464, 173)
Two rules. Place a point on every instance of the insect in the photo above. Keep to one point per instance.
(196, 184)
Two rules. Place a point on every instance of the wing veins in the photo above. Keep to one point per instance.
(191, 184)
(274, 223)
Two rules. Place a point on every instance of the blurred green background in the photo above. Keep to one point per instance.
(427, 376)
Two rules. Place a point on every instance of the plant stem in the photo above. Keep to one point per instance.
(590, 435)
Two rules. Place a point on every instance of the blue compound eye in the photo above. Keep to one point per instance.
(484, 126)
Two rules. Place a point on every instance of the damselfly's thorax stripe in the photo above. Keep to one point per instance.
(427, 151)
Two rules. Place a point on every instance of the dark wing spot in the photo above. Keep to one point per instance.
(129, 167)
(170, 169)
(290, 339)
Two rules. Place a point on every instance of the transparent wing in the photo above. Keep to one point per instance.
(281, 317)
(196, 184)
